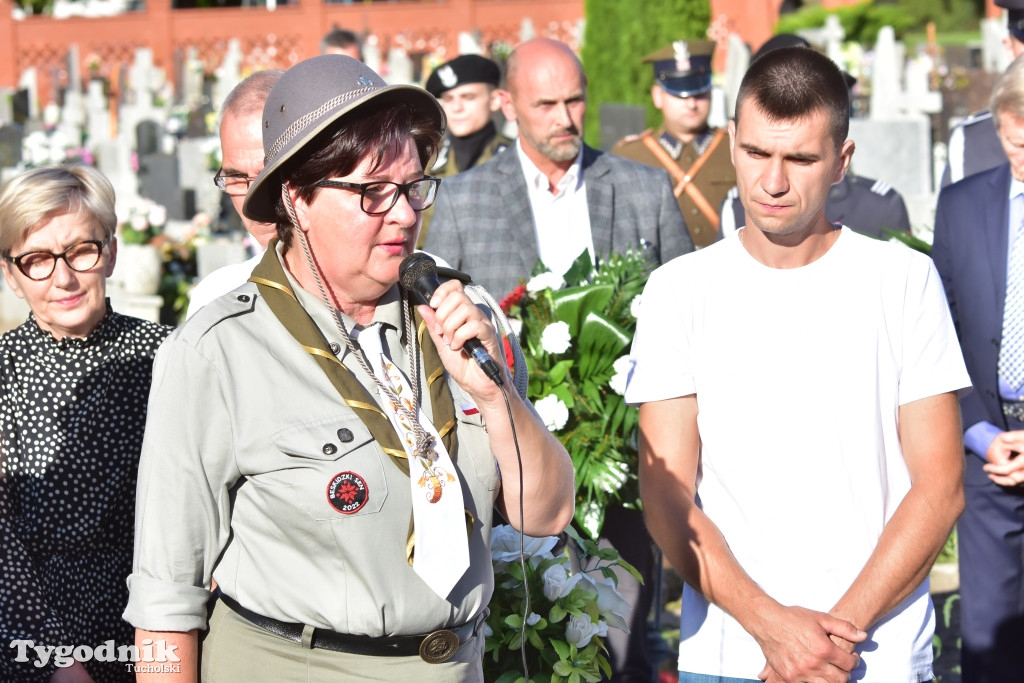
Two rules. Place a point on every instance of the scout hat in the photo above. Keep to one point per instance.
(1014, 17)
(463, 70)
(307, 100)
(684, 67)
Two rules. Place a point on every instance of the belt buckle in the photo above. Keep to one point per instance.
(439, 646)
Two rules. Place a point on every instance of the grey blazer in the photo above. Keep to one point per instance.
(483, 222)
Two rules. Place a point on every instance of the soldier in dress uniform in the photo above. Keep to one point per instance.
(695, 155)
(973, 144)
(467, 89)
(863, 204)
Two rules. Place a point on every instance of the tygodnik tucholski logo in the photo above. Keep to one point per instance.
(153, 657)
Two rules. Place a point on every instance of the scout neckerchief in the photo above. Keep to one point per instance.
(275, 289)
(684, 179)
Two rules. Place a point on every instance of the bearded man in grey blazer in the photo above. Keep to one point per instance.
(550, 196)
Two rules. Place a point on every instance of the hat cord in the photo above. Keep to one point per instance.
(424, 441)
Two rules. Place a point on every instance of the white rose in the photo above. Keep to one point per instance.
(139, 222)
(546, 280)
(613, 607)
(621, 366)
(634, 306)
(580, 630)
(157, 215)
(552, 412)
(555, 337)
(505, 544)
(554, 579)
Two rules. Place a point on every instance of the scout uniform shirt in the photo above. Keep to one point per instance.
(713, 180)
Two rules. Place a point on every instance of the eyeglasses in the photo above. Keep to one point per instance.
(232, 183)
(39, 265)
(379, 196)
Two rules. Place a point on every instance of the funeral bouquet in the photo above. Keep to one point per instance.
(576, 332)
(568, 612)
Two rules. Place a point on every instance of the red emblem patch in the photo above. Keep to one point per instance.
(347, 493)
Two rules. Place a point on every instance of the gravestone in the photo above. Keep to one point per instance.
(144, 81)
(620, 120)
(885, 79)
(219, 253)
(526, 30)
(158, 180)
(469, 43)
(994, 55)
(114, 160)
(72, 114)
(898, 151)
(6, 106)
(29, 83)
(400, 69)
(371, 53)
(737, 61)
(97, 108)
(228, 74)
(195, 175)
(10, 145)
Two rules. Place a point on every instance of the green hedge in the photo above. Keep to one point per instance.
(618, 35)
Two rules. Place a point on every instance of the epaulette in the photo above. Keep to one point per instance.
(239, 302)
(633, 138)
(881, 188)
(976, 117)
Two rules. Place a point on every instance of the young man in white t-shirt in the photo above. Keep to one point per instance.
(801, 455)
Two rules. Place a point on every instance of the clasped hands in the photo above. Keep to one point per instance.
(1003, 466)
(805, 646)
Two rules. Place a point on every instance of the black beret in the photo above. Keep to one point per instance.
(463, 70)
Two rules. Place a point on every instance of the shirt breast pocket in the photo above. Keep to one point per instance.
(335, 467)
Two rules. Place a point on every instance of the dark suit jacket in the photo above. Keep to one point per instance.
(971, 238)
(483, 223)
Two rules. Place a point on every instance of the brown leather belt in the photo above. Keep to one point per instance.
(434, 648)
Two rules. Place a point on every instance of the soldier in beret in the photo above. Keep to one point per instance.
(973, 144)
(694, 154)
(467, 89)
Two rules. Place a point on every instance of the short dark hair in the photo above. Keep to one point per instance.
(341, 38)
(793, 82)
(339, 149)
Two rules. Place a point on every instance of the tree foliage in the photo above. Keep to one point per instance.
(618, 35)
(863, 20)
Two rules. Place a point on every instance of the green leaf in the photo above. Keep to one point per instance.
(514, 621)
(563, 668)
(556, 613)
(561, 647)
(509, 677)
(572, 305)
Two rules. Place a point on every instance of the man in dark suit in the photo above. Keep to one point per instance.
(979, 252)
(551, 196)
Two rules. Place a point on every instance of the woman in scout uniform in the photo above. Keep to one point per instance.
(318, 445)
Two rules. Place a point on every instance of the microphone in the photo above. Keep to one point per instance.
(418, 274)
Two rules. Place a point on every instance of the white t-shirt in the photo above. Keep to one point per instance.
(799, 375)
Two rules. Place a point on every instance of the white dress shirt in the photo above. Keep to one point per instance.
(560, 218)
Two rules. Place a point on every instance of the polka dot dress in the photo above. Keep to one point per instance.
(72, 415)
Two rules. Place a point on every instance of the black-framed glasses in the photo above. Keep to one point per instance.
(39, 265)
(232, 183)
(379, 196)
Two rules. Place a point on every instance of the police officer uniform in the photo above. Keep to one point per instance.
(866, 205)
(973, 143)
(701, 170)
(461, 154)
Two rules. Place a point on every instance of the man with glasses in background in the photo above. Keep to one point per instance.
(241, 143)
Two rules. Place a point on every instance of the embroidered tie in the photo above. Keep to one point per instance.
(441, 554)
(1011, 348)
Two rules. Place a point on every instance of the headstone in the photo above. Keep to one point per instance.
(400, 67)
(737, 61)
(469, 43)
(371, 52)
(114, 160)
(144, 81)
(158, 180)
(885, 81)
(620, 120)
(217, 254)
(195, 175)
(97, 110)
(526, 30)
(29, 83)
(897, 151)
(6, 106)
(718, 116)
(10, 145)
(192, 78)
(229, 74)
(918, 97)
(834, 34)
(147, 137)
(72, 115)
(994, 55)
